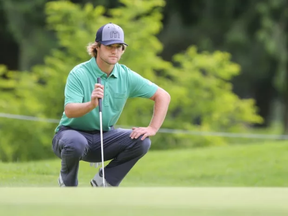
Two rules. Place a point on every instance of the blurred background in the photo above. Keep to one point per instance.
(223, 62)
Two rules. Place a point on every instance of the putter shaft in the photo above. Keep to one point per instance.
(102, 149)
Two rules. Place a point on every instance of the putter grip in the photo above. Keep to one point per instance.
(99, 99)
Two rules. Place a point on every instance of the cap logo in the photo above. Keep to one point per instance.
(114, 34)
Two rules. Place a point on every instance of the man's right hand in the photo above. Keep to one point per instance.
(97, 93)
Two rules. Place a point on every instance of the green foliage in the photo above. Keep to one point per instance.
(199, 83)
(273, 36)
(254, 32)
(202, 98)
(205, 88)
(25, 21)
(22, 140)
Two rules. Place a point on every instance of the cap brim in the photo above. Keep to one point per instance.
(113, 42)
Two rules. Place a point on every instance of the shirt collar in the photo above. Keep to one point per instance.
(100, 73)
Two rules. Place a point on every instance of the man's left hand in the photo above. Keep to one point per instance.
(145, 131)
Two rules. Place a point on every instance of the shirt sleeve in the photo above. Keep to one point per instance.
(73, 90)
(140, 87)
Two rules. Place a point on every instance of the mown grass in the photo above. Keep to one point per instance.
(260, 165)
(238, 180)
(127, 201)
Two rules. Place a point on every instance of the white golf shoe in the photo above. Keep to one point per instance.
(97, 181)
(60, 181)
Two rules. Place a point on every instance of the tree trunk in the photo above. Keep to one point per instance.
(285, 102)
(264, 93)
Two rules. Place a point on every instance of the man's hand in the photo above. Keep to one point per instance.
(145, 131)
(97, 93)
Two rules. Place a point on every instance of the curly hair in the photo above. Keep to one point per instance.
(91, 48)
(92, 51)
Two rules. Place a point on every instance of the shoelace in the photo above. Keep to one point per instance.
(95, 164)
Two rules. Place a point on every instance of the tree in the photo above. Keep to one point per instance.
(273, 35)
(199, 83)
(232, 26)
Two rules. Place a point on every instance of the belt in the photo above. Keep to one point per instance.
(62, 127)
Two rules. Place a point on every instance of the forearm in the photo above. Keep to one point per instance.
(162, 101)
(74, 110)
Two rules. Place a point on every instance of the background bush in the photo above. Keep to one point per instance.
(199, 83)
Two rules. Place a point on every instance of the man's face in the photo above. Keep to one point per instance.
(110, 54)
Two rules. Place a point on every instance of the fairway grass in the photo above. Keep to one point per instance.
(254, 165)
(240, 180)
(180, 201)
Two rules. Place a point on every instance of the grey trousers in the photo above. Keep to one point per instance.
(72, 146)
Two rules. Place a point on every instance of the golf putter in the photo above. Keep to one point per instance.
(101, 139)
(101, 135)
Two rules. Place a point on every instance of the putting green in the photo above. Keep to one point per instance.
(179, 201)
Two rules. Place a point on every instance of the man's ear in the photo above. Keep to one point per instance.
(98, 46)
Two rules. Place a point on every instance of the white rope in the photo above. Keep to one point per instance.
(164, 130)
(28, 118)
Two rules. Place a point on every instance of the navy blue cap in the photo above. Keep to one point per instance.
(110, 34)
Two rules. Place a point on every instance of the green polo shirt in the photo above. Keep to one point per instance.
(122, 84)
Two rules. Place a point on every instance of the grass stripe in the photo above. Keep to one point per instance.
(144, 201)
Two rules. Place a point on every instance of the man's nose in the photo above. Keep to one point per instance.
(114, 49)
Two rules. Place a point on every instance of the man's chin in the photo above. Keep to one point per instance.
(113, 62)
